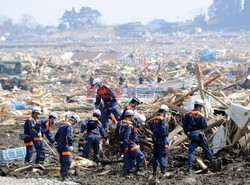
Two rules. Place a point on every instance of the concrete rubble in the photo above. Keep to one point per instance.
(58, 80)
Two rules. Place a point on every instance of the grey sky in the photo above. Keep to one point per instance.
(113, 11)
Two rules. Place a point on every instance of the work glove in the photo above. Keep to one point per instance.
(55, 144)
(125, 150)
(107, 142)
(71, 148)
(39, 134)
(154, 139)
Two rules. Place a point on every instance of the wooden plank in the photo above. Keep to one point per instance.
(210, 94)
(177, 102)
(247, 142)
(177, 109)
(180, 139)
(25, 168)
(201, 87)
(239, 133)
(175, 131)
(201, 164)
(210, 124)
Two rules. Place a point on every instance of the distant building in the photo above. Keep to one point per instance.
(131, 30)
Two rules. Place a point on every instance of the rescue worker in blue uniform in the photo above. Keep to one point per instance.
(131, 106)
(46, 126)
(122, 79)
(159, 78)
(32, 136)
(91, 78)
(141, 79)
(194, 123)
(64, 139)
(94, 129)
(160, 140)
(109, 99)
(129, 142)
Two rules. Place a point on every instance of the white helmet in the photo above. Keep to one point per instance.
(141, 119)
(164, 107)
(37, 109)
(53, 114)
(96, 81)
(137, 100)
(76, 118)
(199, 102)
(97, 112)
(129, 113)
(159, 73)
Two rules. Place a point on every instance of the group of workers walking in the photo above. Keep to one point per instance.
(126, 126)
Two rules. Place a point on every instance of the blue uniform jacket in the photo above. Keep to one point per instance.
(31, 127)
(160, 130)
(127, 107)
(97, 131)
(130, 138)
(64, 134)
(194, 120)
(105, 94)
(45, 129)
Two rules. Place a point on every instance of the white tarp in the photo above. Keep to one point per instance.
(67, 55)
(239, 114)
(219, 139)
(208, 99)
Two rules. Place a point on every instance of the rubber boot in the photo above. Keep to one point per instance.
(189, 169)
(154, 170)
(65, 178)
(138, 172)
(125, 173)
(163, 172)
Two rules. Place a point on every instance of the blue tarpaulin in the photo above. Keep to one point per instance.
(207, 55)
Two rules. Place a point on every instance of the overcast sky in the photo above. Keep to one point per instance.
(113, 11)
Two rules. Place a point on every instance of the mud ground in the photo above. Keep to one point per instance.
(236, 169)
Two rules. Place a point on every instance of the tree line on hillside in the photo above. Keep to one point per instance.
(86, 16)
(226, 15)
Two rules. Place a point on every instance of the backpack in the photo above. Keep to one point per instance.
(92, 125)
(122, 131)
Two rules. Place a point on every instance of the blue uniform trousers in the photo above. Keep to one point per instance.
(65, 158)
(160, 155)
(92, 140)
(29, 149)
(40, 151)
(106, 111)
(202, 142)
(132, 158)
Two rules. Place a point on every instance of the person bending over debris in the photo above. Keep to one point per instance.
(46, 125)
(104, 93)
(32, 135)
(131, 106)
(128, 140)
(94, 129)
(194, 123)
(64, 138)
(159, 78)
(122, 79)
(160, 140)
(141, 79)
